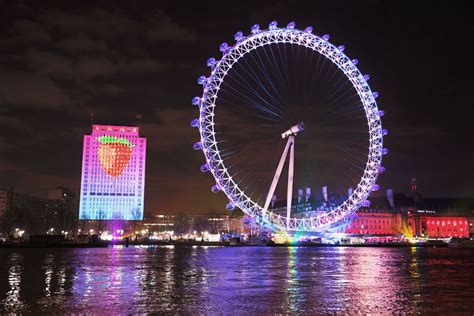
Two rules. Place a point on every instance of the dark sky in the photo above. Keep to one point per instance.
(61, 60)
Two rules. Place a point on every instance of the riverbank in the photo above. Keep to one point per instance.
(212, 244)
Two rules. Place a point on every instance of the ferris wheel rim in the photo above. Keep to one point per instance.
(209, 144)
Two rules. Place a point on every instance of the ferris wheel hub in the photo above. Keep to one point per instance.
(293, 131)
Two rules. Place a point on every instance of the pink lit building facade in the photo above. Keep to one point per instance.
(113, 174)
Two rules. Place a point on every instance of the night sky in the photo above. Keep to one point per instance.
(60, 61)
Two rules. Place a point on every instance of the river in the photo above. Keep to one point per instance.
(236, 280)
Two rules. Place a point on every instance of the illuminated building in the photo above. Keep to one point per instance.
(113, 174)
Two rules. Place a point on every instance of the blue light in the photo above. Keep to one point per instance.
(366, 77)
(341, 48)
(273, 25)
(230, 206)
(355, 61)
(384, 151)
(197, 146)
(211, 61)
(216, 188)
(196, 100)
(309, 29)
(366, 203)
(204, 167)
(238, 36)
(255, 29)
(384, 132)
(381, 170)
(326, 37)
(375, 187)
(381, 113)
(375, 94)
(291, 25)
(202, 80)
(195, 123)
(224, 47)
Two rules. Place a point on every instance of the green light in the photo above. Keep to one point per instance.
(107, 139)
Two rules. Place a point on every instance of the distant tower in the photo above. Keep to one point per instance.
(413, 184)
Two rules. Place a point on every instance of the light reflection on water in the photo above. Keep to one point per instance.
(239, 280)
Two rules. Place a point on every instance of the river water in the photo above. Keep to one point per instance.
(237, 280)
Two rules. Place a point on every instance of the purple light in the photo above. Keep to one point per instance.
(366, 203)
(381, 170)
(224, 47)
(273, 25)
(375, 94)
(195, 123)
(309, 29)
(326, 37)
(375, 187)
(202, 80)
(230, 206)
(291, 25)
(197, 146)
(204, 167)
(384, 132)
(366, 77)
(211, 61)
(355, 61)
(255, 28)
(238, 36)
(384, 151)
(216, 188)
(341, 48)
(381, 113)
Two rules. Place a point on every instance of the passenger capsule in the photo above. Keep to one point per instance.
(211, 61)
(204, 167)
(291, 25)
(375, 94)
(375, 187)
(273, 25)
(216, 188)
(197, 146)
(355, 61)
(366, 203)
(238, 36)
(384, 132)
(309, 29)
(195, 123)
(230, 206)
(384, 151)
(341, 48)
(381, 170)
(196, 100)
(202, 80)
(366, 77)
(381, 113)
(255, 29)
(326, 37)
(224, 47)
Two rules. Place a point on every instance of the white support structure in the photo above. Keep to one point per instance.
(290, 146)
(276, 177)
(291, 167)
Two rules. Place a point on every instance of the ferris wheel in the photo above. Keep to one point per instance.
(272, 91)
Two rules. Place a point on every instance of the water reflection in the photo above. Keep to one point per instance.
(213, 280)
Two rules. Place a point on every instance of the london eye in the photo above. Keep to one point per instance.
(286, 103)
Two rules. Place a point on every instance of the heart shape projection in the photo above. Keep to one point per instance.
(114, 154)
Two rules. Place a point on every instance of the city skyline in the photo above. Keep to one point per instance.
(63, 63)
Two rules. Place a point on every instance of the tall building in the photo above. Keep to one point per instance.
(113, 174)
